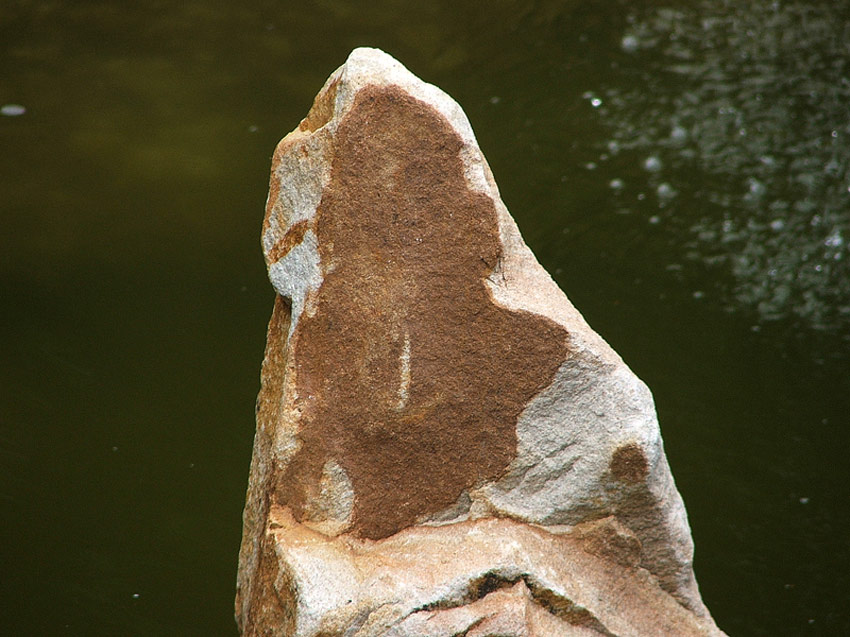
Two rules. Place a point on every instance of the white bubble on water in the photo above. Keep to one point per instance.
(834, 240)
(678, 135)
(12, 110)
(652, 164)
(629, 43)
(665, 191)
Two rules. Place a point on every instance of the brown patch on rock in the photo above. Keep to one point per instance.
(273, 595)
(629, 463)
(257, 603)
(608, 539)
(407, 374)
(270, 398)
(322, 109)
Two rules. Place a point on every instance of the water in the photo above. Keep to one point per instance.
(753, 97)
(135, 298)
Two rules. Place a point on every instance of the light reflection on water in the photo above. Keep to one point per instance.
(744, 106)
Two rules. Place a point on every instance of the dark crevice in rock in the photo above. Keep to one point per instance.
(488, 583)
(558, 450)
(567, 610)
(474, 624)
(476, 589)
(558, 605)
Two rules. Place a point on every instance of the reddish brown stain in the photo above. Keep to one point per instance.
(322, 109)
(608, 539)
(629, 464)
(293, 237)
(408, 246)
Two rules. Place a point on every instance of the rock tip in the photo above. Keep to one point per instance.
(369, 53)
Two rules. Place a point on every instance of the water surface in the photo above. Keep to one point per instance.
(681, 168)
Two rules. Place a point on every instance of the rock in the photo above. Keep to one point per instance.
(443, 444)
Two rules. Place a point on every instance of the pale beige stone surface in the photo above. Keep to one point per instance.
(489, 576)
(443, 445)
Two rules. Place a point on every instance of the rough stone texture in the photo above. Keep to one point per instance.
(443, 445)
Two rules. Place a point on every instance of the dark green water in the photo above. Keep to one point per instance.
(682, 168)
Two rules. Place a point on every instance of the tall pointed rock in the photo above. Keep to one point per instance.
(443, 444)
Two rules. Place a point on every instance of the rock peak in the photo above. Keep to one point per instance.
(427, 388)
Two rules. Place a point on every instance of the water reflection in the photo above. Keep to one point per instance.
(744, 107)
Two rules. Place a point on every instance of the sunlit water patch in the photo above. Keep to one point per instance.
(743, 109)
